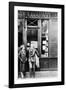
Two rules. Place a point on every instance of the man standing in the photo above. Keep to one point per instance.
(23, 59)
(32, 61)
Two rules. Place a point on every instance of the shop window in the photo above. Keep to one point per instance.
(44, 38)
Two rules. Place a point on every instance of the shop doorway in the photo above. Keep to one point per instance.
(31, 35)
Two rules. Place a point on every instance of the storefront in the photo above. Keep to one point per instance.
(40, 29)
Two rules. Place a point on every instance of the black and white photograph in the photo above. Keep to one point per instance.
(37, 44)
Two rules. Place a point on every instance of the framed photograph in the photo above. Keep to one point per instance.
(36, 44)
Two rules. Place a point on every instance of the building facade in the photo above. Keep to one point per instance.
(40, 29)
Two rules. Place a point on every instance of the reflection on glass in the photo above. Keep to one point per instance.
(44, 36)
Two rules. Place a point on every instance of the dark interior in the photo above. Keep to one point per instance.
(32, 35)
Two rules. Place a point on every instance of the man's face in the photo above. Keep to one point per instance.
(28, 48)
(23, 52)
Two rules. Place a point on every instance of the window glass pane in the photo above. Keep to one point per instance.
(53, 30)
(44, 38)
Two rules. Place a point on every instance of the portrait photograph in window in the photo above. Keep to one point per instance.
(36, 44)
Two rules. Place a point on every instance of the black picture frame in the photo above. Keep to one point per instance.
(11, 44)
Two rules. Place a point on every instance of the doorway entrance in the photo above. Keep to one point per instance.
(32, 33)
(32, 30)
(32, 36)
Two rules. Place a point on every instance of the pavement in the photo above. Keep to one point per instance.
(40, 74)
